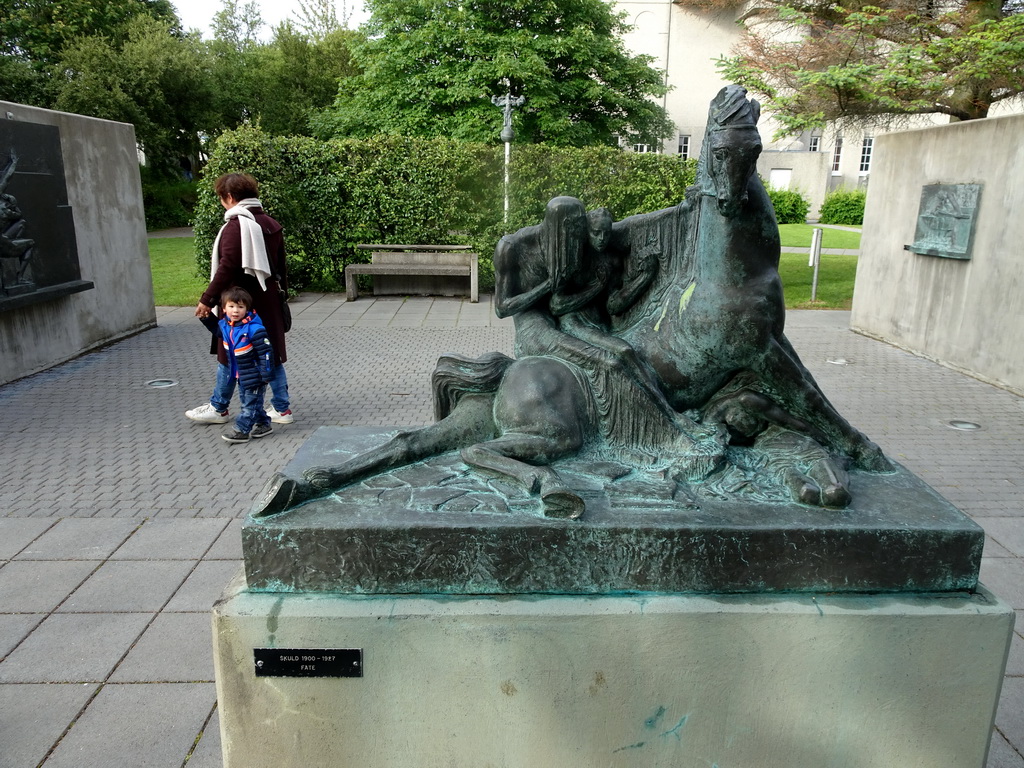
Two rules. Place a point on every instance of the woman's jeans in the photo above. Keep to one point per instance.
(225, 388)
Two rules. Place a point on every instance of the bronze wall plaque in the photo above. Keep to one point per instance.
(38, 246)
(946, 219)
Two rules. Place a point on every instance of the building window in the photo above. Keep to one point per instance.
(684, 147)
(642, 148)
(837, 155)
(865, 154)
(814, 144)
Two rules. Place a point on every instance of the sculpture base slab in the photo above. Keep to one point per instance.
(796, 681)
(439, 527)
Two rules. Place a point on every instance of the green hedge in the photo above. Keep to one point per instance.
(790, 206)
(332, 195)
(843, 206)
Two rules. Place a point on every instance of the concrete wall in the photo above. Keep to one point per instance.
(968, 315)
(644, 681)
(104, 190)
(810, 174)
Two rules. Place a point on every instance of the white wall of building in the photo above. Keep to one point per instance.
(685, 44)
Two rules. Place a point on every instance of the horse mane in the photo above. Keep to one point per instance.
(729, 109)
(732, 107)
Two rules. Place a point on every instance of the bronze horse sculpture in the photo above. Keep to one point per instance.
(715, 316)
(695, 354)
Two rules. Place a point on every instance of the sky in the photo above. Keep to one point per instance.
(198, 14)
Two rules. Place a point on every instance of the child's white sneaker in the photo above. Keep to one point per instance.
(207, 414)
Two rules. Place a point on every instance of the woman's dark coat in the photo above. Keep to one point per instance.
(229, 272)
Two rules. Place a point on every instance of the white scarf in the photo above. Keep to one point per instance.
(254, 249)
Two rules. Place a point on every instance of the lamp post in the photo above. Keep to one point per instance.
(508, 102)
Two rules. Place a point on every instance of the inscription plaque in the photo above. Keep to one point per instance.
(945, 220)
(308, 662)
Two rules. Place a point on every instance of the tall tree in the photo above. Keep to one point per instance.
(319, 18)
(431, 67)
(237, 26)
(153, 79)
(818, 61)
(236, 61)
(35, 33)
(301, 76)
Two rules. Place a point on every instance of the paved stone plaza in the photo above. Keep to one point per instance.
(119, 519)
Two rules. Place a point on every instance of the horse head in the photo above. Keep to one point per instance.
(731, 147)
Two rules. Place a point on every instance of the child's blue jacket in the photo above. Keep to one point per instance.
(248, 349)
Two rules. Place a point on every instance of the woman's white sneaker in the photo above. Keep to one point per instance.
(207, 414)
(280, 418)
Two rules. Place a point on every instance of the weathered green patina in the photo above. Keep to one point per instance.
(441, 527)
(656, 431)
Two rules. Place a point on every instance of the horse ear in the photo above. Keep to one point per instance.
(755, 110)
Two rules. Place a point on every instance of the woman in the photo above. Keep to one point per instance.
(249, 254)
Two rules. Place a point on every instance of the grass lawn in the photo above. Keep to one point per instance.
(174, 272)
(176, 285)
(835, 281)
(799, 236)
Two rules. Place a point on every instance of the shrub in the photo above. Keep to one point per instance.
(843, 206)
(167, 202)
(332, 195)
(790, 206)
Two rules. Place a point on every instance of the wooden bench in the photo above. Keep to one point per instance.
(422, 260)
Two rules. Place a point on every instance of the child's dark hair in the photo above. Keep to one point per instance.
(238, 296)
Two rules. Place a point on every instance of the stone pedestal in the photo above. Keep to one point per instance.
(786, 681)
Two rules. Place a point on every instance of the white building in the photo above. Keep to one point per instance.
(685, 43)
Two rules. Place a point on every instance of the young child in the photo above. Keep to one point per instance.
(252, 363)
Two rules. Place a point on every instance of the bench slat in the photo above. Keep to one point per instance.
(386, 247)
(409, 269)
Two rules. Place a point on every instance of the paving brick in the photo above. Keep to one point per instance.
(175, 648)
(204, 586)
(1000, 753)
(1007, 531)
(18, 533)
(170, 540)
(1015, 663)
(38, 587)
(138, 726)
(129, 586)
(15, 627)
(73, 539)
(73, 648)
(35, 717)
(208, 753)
(228, 545)
(1005, 577)
(1010, 716)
